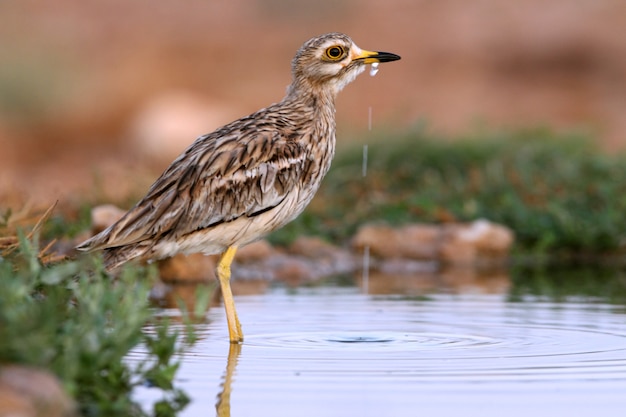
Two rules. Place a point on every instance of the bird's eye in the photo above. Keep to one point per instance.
(335, 52)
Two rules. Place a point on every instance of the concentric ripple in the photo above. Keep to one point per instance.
(369, 341)
(356, 355)
(448, 338)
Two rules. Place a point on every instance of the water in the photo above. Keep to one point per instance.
(335, 351)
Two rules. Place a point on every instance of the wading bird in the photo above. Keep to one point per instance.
(247, 178)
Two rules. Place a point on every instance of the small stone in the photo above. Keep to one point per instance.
(417, 241)
(172, 295)
(491, 238)
(188, 268)
(480, 242)
(312, 247)
(292, 270)
(254, 252)
(104, 216)
(457, 250)
(476, 242)
(31, 392)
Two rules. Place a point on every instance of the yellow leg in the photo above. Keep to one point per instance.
(223, 274)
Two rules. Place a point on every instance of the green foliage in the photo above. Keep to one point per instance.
(557, 192)
(76, 321)
(68, 226)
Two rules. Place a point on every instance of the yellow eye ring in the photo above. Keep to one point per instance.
(335, 53)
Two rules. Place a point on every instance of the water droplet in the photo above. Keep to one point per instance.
(374, 69)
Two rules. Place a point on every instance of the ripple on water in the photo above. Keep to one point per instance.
(358, 355)
(368, 341)
(439, 340)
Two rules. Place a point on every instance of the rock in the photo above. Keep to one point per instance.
(491, 239)
(173, 294)
(457, 249)
(470, 243)
(477, 242)
(104, 216)
(417, 241)
(254, 252)
(293, 270)
(188, 268)
(312, 247)
(325, 258)
(31, 392)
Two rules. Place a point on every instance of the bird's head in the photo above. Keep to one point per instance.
(330, 62)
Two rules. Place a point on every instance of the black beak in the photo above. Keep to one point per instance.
(385, 57)
(371, 57)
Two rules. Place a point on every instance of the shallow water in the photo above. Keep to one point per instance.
(331, 351)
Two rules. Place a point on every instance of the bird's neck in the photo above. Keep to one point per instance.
(317, 105)
(313, 97)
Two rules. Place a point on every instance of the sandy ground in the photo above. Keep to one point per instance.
(107, 92)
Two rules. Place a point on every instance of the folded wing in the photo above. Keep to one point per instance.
(222, 176)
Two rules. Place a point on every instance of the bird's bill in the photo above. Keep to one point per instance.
(371, 57)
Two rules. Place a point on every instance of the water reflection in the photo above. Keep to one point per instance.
(443, 345)
(554, 283)
(223, 398)
(457, 281)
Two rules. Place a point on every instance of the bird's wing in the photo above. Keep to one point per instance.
(220, 177)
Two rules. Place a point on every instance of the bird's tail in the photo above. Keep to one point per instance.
(115, 257)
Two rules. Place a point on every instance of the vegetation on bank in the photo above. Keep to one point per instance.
(71, 318)
(559, 193)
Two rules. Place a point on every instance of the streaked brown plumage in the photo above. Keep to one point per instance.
(249, 177)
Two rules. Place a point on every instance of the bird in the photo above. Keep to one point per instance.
(247, 178)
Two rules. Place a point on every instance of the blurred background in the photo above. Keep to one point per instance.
(511, 111)
(92, 92)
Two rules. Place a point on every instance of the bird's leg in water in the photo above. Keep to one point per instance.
(223, 274)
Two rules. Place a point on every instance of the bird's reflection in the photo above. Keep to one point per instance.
(223, 398)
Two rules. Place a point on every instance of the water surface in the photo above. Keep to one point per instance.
(335, 351)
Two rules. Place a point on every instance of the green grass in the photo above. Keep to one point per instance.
(74, 320)
(559, 193)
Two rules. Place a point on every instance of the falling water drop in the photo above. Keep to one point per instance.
(373, 69)
(366, 249)
(366, 269)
